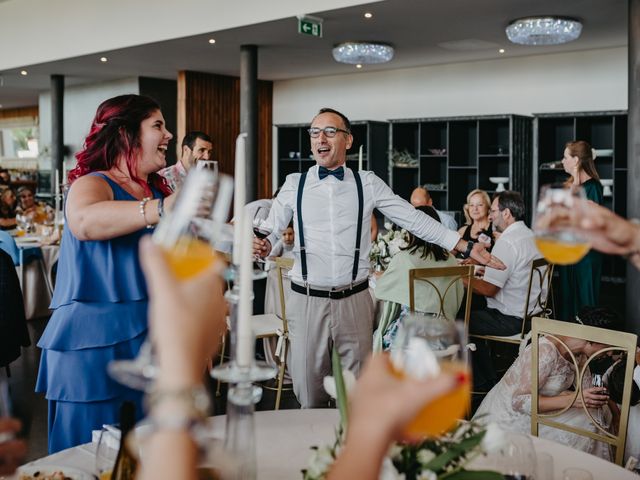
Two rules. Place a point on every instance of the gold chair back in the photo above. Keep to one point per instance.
(456, 273)
(614, 341)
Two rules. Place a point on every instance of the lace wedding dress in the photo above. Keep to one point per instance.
(509, 402)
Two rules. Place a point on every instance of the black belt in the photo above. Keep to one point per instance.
(330, 293)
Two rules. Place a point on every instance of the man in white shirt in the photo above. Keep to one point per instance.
(331, 209)
(195, 146)
(505, 290)
(420, 197)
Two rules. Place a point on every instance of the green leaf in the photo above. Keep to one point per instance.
(474, 475)
(341, 392)
(454, 451)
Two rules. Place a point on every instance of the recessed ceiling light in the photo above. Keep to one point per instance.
(212, 41)
(23, 72)
(358, 66)
(103, 59)
(368, 15)
(0, 105)
(501, 50)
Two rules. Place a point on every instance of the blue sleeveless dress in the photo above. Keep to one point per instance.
(99, 314)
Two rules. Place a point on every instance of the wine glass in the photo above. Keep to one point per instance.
(425, 345)
(188, 235)
(516, 460)
(259, 230)
(106, 452)
(557, 215)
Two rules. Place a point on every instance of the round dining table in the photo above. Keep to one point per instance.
(284, 439)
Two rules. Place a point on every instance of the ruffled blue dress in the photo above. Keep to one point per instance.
(99, 314)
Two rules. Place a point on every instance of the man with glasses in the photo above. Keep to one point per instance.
(506, 289)
(331, 206)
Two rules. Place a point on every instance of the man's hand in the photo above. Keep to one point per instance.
(261, 247)
(483, 257)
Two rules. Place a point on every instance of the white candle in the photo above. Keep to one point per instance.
(244, 342)
(240, 195)
(360, 158)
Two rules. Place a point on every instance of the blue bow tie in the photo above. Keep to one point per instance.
(324, 172)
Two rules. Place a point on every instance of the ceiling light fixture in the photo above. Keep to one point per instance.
(23, 72)
(103, 59)
(363, 53)
(368, 15)
(501, 50)
(543, 30)
(212, 41)
(359, 65)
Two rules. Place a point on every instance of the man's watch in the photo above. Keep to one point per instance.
(467, 252)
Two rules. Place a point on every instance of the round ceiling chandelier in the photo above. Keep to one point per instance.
(543, 30)
(363, 53)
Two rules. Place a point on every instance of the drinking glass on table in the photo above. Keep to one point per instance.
(106, 452)
(425, 345)
(558, 212)
(517, 459)
(188, 235)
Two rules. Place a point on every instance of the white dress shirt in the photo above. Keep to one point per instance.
(447, 220)
(329, 214)
(517, 249)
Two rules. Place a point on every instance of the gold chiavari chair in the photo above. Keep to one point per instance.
(615, 342)
(457, 273)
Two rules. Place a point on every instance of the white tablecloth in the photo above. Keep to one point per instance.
(284, 438)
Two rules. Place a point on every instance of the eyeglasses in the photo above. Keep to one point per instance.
(329, 132)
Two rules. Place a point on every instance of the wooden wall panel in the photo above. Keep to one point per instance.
(22, 112)
(211, 103)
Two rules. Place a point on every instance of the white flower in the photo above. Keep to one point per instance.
(395, 451)
(330, 383)
(425, 456)
(321, 460)
(427, 475)
(388, 225)
(388, 471)
(494, 439)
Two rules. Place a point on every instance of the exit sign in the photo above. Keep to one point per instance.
(310, 26)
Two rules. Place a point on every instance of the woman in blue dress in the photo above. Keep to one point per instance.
(100, 301)
(580, 283)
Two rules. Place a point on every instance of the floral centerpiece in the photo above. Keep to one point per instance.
(387, 245)
(439, 458)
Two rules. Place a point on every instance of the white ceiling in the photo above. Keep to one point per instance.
(423, 32)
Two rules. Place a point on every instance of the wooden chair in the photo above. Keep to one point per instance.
(616, 342)
(427, 274)
(541, 273)
(270, 325)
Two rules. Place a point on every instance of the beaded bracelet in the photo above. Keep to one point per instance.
(142, 205)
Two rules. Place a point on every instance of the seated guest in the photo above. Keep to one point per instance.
(420, 197)
(171, 451)
(284, 246)
(393, 287)
(7, 209)
(505, 290)
(509, 403)
(476, 212)
(614, 380)
(39, 212)
(5, 179)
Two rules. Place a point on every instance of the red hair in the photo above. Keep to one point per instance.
(115, 132)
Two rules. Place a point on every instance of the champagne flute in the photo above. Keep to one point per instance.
(188, 236)
(259, 217)
(425, 345)
(557, 216)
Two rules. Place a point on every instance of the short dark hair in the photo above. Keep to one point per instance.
(601, 317)
(615, 383)
(190, 138)
(345, 120)
(513, 201)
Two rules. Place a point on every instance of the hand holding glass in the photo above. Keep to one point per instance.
(556, 227)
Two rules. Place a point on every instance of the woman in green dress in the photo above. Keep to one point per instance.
(580, 283)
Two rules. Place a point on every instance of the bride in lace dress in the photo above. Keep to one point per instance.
(509, 402)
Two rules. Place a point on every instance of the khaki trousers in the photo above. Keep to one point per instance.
(316, 326)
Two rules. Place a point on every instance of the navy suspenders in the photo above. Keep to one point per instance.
(300, 232)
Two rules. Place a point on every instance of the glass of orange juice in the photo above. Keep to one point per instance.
(188, 236)
(557, 215)
(427, 344)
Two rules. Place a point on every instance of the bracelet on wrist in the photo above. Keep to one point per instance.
(192, 402)
(467, 252)
(142, 208)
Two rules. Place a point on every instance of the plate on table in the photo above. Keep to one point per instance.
(52, 472)
(27, 240)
